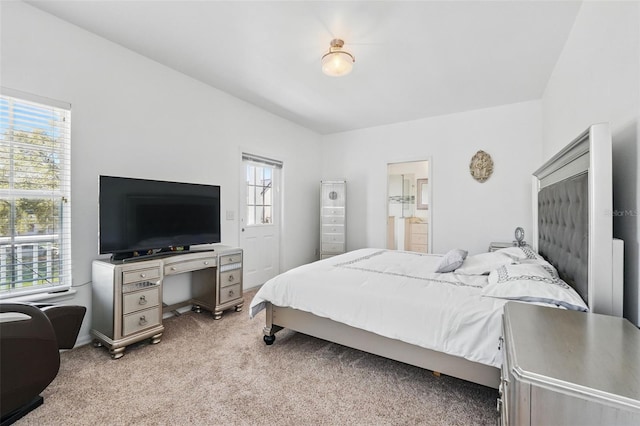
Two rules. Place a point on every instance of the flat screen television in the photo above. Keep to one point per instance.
(141, 217)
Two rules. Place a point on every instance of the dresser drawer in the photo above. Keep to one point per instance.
(132, 302)
(333, 247)
(419, 228)
(332, 220)
(420, 248)
(191, 265)
(333, 211)
(333, 229)
(138, 321)
(230, 293)
(230, 277)
(418, 238)
(140, 275)
(230, 258)
(333, 238)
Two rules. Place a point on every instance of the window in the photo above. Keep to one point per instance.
(259, 178)
(259, 203)
(35, 225)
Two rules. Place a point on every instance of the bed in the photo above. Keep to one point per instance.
(394, 304)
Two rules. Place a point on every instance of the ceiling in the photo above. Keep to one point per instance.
(413, 59)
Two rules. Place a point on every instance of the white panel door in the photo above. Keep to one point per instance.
(260, 222)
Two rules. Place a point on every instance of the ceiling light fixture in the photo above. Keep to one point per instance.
(337, 62)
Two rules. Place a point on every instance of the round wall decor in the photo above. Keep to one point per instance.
(481, 166)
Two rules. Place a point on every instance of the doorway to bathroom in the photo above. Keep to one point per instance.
(409, 206)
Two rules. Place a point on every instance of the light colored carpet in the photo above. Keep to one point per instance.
(220, 372)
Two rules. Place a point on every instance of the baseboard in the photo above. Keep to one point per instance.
(83, 340)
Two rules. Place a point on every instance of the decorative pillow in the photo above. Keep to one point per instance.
(482, 264)
(452, 260)
(532, 282)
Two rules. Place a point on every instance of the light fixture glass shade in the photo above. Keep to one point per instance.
(337, 62)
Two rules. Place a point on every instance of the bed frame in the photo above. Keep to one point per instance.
(588, 156)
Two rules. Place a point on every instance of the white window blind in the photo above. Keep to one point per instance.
(276, 164)
(35, 221)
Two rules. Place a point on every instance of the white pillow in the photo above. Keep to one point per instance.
(525, 254)
(521, 253)
(452, 260)
(484, 263)
(532, 282)
(539, 261)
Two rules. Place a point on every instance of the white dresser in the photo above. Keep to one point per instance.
(333, 224)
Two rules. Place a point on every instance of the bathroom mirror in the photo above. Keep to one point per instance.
(422, 201)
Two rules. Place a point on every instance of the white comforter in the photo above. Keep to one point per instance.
(397, 295)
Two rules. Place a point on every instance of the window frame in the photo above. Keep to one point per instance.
(58, 270)
(251, 202)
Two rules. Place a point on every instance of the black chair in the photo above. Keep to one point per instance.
(29, 352)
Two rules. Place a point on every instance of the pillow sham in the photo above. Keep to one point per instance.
(532, 282)
(452, 260)
(540, 261)
(521, 253)
(525, 254)
(484, 263)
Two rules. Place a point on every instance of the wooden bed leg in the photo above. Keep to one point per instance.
(436, 373)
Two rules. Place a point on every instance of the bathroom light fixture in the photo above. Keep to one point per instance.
(337, 62)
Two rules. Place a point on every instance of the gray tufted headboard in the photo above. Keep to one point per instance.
(573, 199)
(563, 230)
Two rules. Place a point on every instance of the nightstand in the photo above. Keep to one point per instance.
(568, 368)
(500, 245)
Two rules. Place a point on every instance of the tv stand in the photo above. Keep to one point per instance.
(127, 296)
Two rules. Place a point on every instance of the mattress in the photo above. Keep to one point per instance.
(398, 295)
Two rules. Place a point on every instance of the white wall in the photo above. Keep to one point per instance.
(134, 117)
(597, 79)
(466, 214)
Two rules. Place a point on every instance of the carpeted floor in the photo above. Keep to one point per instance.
(221, 372)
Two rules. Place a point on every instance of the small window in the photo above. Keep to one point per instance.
(260, 173)
(35, 225)
(259, 198)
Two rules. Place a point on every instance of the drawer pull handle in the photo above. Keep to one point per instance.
(142, 321)
(206, 262)
(230, 293)
(143, 300)
(173, 268)
(230, 279)
(143, 275)
(231, 260)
